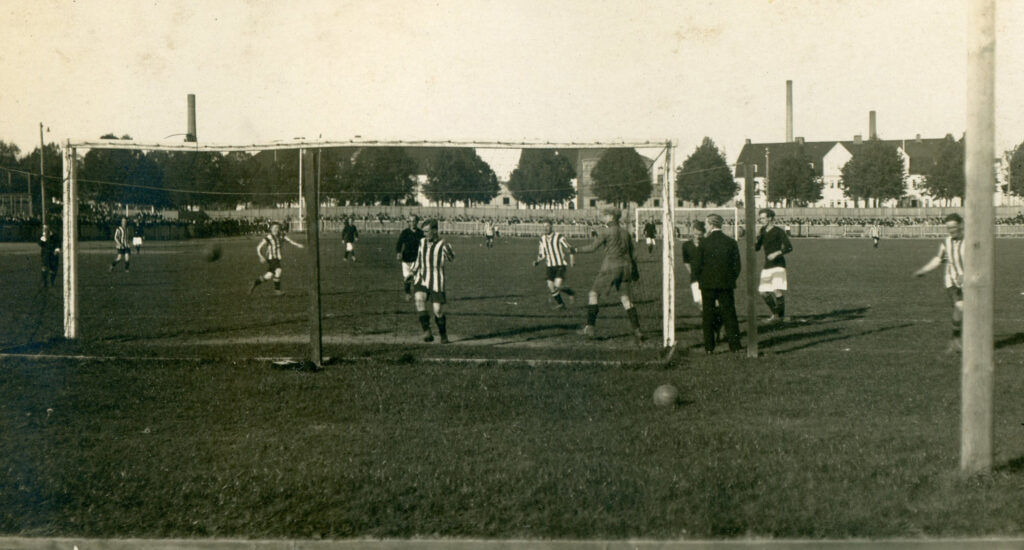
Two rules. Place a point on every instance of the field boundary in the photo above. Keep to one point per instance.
(46, 543)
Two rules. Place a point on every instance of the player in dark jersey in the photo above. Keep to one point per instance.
(650, 235)
(49, 248)
(616, 272)
(349, 234)
(137, 238)
(429, 280)
(272, 243)
(406, 250)
(773, 283)
(121, 246)
(558, 254)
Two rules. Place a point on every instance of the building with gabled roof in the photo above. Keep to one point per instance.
(828, 159)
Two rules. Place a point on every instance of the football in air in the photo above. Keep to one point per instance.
(212, 253)
(666, 395)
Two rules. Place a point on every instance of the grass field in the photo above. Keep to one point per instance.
(177, 426)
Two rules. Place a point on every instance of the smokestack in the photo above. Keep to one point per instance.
(191, 135)
(872, 134)
(789, 111)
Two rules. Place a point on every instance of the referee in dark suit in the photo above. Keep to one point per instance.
(716, 268)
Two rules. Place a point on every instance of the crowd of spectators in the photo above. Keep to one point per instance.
(98, 222)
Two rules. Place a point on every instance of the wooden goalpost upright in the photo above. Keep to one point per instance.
(979, 256)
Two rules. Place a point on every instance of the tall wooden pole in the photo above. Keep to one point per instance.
(313, 244)
(42, 176)
(979, 257)
(750, 213)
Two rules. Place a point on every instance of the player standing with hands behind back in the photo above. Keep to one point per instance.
(121, 245)
(773, 283)
(428, 276)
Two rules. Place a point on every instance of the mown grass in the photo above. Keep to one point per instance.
(846, 426)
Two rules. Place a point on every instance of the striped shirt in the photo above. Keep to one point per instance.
(430, 260)
(120, 238)
(952, 254)
(554, 249)
(273, 246)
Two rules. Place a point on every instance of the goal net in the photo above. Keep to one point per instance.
(198, 280)
(683, 218)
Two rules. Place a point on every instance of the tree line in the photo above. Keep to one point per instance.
(543, 177)
(875, 171)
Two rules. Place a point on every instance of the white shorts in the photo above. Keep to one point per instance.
(695, 290)
(349, 247)
(136, 241)
(651, 240)
(772, 279)
(407, 269)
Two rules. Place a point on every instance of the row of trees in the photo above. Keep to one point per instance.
(389, 175)
(874, 172)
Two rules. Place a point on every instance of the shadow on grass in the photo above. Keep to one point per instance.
(523, 331)
(1014, 466)
(489, 297)
(1009, 341)
(826, 340)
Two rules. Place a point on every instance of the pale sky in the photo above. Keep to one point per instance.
(579, 70)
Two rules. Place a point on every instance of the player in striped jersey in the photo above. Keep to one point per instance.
(121, 245)
(272, 242)
(429, 283)
(555, 250)
(951, 253)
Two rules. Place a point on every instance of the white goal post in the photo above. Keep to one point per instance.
(70, 150)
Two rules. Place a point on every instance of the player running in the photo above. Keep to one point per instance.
(555, 250)
(272, 243)
(773, 285)
(876, 234)
(616, 272)
(121, 245)
(428, 278)
(406, 250)
(650, 235)
(349, 234)
(951, 253)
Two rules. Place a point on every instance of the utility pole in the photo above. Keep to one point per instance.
(42, 176)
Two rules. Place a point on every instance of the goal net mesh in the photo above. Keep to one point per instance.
(191, 279)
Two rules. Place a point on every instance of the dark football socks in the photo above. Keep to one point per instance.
(634, 319)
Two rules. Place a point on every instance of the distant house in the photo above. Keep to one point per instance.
(828, 159)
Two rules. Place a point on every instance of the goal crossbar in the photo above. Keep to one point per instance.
(321, 144)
